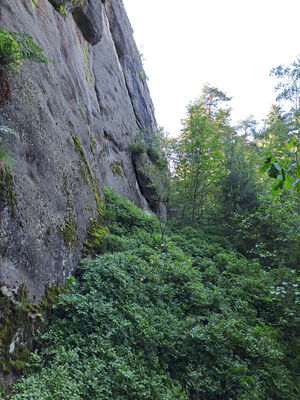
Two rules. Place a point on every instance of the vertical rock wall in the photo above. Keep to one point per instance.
(76, 120)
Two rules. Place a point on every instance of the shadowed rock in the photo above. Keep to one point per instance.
(89, 19)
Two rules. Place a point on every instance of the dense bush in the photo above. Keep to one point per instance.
(270, 232)
(180, 319)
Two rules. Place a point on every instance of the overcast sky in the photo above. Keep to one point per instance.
(231, 44)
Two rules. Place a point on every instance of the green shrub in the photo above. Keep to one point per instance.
(270, 232)
(124, 217)
(145, 322)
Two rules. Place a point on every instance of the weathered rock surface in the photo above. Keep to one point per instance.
(141, 164)
(76, 120)
(89, 19)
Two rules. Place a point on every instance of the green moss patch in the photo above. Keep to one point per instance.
(19, 323)
(69, 232)
(98, 227)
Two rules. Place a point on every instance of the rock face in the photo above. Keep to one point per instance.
(76, 119)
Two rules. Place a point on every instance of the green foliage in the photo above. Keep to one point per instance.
(62, 10)
(285, 298)
(206, 312)
(96, 234)
(286, 174)
(286, 170)
(154, 147)
(239, 186)
(66, 5)
(16, 47)
(123, 217)
(139, 145)
(186, 319)
(150, 158)
(199, 161)
(270, 232)
(288, 84)
(247, 127)
(68, 231)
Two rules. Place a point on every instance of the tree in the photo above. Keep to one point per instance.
(286, 171)
(200, 157)
(247, 127)
(239, 187)
(210, 101)
(276, 133)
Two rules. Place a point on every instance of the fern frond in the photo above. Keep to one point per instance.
(30, 50)
(15, 47)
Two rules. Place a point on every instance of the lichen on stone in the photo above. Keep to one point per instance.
(87, 64)
(117, 168)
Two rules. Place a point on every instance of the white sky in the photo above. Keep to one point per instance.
(232, 44)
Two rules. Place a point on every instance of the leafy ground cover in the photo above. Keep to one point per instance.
(186, 317)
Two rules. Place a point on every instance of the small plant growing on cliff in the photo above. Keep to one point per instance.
(62, 11)
(139, 145)
(14, 48)
(65, 6)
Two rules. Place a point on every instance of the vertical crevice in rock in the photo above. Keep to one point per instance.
(140, 162)
(132, 68)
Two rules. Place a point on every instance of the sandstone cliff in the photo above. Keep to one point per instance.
(76, 120)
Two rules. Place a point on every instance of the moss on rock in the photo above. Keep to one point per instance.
(117, 168)
(19, 320)
(7, 196)
(99, 203)
(69, 232)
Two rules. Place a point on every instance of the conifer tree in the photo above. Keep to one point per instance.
(200, 160)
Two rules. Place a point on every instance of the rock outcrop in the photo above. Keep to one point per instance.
(76, 119)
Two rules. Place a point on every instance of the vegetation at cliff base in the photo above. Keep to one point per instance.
(183, 318)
